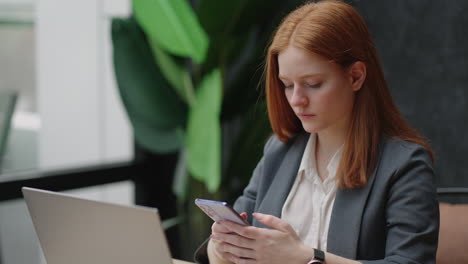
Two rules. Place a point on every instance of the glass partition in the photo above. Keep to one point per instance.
(19, 128)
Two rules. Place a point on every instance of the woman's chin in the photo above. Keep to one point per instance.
(311, 129)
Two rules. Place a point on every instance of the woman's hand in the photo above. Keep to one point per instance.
(216, 255)
(248, 244)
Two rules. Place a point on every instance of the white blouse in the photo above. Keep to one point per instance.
(309, 204)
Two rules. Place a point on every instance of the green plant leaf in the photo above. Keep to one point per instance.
(181, 177)
(204, 132)
(155, 110)
(174, 26)
(175, 74)
(218, 17)
(233, 17)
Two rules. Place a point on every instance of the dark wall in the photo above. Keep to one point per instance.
(423, 45)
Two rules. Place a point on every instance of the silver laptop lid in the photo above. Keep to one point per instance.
(78, 231)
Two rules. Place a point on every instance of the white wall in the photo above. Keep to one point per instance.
(83, 121)
(68, 85)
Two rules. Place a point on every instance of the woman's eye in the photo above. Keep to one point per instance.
(315, 85)
(288, 86)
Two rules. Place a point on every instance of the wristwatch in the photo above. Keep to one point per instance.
(319, 257)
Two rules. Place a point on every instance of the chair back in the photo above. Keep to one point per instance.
(453, 233)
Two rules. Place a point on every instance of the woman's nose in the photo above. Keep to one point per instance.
(298, 97)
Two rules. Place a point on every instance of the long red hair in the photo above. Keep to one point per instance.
(336, 31)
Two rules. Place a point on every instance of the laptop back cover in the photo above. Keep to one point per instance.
(78, 231)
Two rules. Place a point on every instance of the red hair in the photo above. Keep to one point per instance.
(336, 31)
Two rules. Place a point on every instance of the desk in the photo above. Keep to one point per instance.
(176, 261)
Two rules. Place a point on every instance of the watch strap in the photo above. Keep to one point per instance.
(319, 257)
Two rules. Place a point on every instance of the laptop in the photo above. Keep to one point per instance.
(79, 231)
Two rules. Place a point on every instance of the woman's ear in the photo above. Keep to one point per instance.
(357, 74)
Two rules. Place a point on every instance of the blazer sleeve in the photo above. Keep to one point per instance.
(245, 203)
(412, 211)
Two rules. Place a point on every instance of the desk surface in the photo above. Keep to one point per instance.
(176, 261)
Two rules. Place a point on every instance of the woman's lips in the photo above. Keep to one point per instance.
(305, 116)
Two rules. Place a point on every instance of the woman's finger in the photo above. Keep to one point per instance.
(223, 247)
(234, 239)
(218, 228)
(245, 231)
(237, 260)
(274, 222)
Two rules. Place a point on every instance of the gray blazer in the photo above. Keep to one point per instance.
(392, 219)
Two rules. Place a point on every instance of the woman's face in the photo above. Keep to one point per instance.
(320, 92)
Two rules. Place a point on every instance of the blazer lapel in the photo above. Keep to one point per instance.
(345, 222)
(283, 180)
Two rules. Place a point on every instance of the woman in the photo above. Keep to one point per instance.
(344, 179)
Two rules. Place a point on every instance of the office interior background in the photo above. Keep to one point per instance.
(57, 57)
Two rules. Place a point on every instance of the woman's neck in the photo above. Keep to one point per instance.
(328, 143)
(331, 139)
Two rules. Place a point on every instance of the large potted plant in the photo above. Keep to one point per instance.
(188, 75)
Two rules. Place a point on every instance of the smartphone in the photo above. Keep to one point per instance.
(218, 211)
